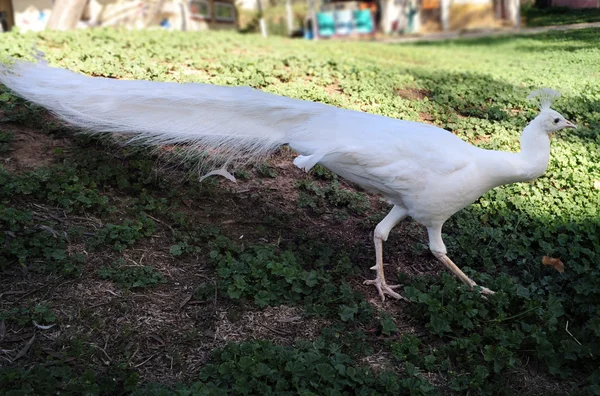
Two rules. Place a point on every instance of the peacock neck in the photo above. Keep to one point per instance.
(528, 164)
(535, 151)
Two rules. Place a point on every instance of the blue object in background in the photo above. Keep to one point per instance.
(363, 22)
(411, 15)
(325, 24)
(308, 30)
(343, 22)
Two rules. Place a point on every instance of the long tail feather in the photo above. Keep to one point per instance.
(235, 124)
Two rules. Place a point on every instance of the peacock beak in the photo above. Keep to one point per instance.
(571, 125)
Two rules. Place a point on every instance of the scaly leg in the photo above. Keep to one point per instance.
(381, 234)
(461, 275)
(437, 247)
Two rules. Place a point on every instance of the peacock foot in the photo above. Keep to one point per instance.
(485, 291)
(383, 288)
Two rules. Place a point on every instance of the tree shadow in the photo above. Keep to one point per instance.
(556, 15)
(557, 40)
(452, 96)
(502, 238)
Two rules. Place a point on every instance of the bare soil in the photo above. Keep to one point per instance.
(163, 332)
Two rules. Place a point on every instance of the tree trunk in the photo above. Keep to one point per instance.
(445, 15)
(7, 16)
(290, 17)
(65, 14)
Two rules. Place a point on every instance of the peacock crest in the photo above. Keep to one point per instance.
(544, 97)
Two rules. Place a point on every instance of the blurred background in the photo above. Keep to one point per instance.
(309, 19)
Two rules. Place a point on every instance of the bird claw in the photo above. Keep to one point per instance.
(383, 289)
(484, 291)
(487, 292)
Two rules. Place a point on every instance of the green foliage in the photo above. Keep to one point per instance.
(387, 325)
(41, 313)
(318, 197)
(191, 239)
(59, 185)
(205, 291)
(42, 243)
(122, 236)
(260, 367)
(299, 274)
(18, 110)
(61, 379)
(343, 337)
(407, 349)
(5, 139)
(264, 170)
(320, 172)
(243, 174)
(131, 276)
(559, 16)
(33, 245)
(481, 340)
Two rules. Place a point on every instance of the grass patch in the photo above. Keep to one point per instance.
(131, 277)
(319, 197)
(297, 275)
(559, 16)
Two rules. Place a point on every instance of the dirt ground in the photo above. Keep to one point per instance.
(163, 332)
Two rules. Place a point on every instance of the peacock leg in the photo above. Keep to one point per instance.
(437, 247)
(461, 275)
(381, 234)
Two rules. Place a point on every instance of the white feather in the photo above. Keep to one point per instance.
(396, 158)
(234, 124)
(544, 96)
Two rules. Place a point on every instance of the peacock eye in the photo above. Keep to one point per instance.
(556, 120)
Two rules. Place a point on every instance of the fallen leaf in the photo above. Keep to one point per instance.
(554, 263)
(158, 339)
(597, 184)
(17, 338)
(59, 356)
(23, 351)
(14, 292)
(185, 301)
(290, 320)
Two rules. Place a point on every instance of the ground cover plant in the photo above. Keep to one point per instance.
(549, 16)
(120, 273)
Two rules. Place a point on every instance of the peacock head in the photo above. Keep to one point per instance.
(552, 121)
(549, 121)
